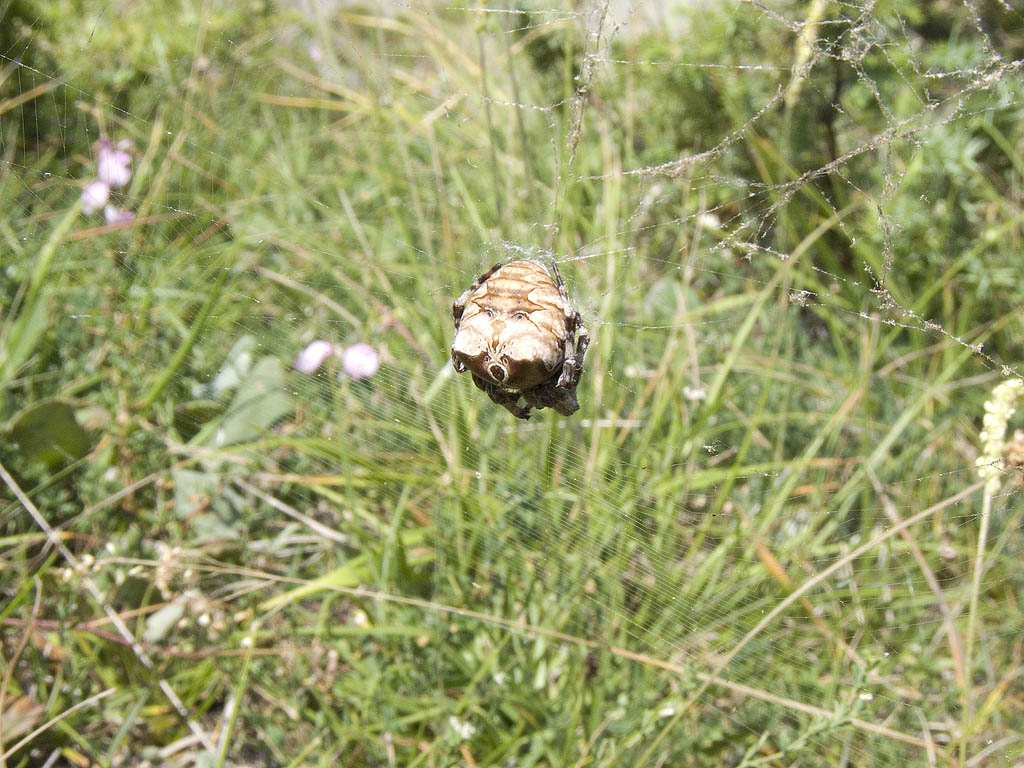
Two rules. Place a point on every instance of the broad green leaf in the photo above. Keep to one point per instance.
(260, 401)
(24, 335)
(233, 372)
(48, 432)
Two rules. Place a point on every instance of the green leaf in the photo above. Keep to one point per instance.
(48, 432)
(201, 498)
(260, 401)
(189, 417)
(24, 336)
(350, 575)
(233, 372)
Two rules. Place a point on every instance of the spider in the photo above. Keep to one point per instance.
(519, 337)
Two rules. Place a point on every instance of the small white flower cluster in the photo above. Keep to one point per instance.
(998, 411)
(206, 614)
(694, 394)
(113, 170)
(360, 361)
(463, 729)
(168, 576)
(86, 564)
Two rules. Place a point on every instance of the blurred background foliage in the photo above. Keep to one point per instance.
(788, 227)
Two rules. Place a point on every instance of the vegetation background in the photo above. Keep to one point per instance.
(795, 231)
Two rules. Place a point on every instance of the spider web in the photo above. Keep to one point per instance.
(755, 540)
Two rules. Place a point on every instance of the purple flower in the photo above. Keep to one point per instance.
(94, 197)
(360, 361)
(313, 356)
(113, 164)
(115, 215)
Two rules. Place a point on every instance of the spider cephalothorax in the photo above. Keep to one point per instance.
(519, 337)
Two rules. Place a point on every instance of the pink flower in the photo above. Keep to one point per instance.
(360, 361)
(115, 215)
(94, 197)
(313, 356)
(113, 164)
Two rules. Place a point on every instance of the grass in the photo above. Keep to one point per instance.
(762, 540)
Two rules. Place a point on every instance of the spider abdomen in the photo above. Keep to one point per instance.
(513, 328)
(519, 336)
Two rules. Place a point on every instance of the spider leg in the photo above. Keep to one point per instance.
(552, 396)
(506, 399)
(567, 405)
(571, 358)
(573, 353)
(458, 365)
(581, 347)
(483, 278)
(571, 376)
(558, 279)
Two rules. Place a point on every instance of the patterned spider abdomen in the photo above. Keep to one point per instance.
(513, 326)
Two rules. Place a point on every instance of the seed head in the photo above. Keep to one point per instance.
(998, 410)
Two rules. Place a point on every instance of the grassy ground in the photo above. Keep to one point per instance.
(762, 540)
